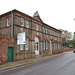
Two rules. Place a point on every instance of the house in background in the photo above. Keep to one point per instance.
(41, 38)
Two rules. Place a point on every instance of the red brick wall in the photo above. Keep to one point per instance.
(68, 49)
(5, 41)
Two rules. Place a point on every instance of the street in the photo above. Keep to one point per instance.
(60, 65)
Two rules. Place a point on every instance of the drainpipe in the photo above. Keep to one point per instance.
(12, 31)
(31, 39)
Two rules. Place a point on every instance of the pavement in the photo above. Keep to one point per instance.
(12, 65)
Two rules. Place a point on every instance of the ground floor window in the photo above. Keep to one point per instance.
(46, 45)
(54, 46)
(27, 44)
(21, 46)
(59, 46)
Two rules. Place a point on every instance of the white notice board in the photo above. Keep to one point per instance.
(21, 38)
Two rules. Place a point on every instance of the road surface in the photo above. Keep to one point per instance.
(60, 65)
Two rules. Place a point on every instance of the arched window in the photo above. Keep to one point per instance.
(27, 44)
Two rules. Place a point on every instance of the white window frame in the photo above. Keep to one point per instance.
(22, 21)
(46, 45)
(46, 30)
(27, 24)
(50, 32)
(27, 44)
(43, 28)
(37, 26)
(56, 33)
(54, 45)
(8, 22)
(58, 46)
(21, 46)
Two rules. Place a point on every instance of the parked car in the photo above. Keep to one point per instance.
(74, 50)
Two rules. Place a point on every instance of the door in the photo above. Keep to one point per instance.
(51, 47)
(36, 46)
(10, 54)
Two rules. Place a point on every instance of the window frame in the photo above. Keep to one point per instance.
(37, 27)
(27, 23)
(46, 44)
(22, 21)
(43, 44)
(21, 47)
(8, 22)
(27, 44)
(46, 30)
(43, 28)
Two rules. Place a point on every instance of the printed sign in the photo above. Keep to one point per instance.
(21, 38)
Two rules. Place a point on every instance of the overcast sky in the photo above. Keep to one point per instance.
(59, 14)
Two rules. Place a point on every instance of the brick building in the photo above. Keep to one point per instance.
(41, 38)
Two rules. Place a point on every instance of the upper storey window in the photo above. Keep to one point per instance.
(8, 22)
(50, 32)
(56, 33)
(27, 23)
(46, 30)
(43, 28)
(22, 22)
(59, 35)
(36, 26)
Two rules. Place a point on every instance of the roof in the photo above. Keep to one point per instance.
(14, 10)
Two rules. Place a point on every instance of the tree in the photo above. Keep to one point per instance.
(74, 39)
(74, 36)
(66, 37)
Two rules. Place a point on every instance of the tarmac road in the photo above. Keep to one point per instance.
(60, 65)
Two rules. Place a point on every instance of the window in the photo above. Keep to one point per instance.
(27, 23)
(27, 44)
(56, 33)
(21, 47)
(43, 28)
(36, 26)
(59, 34)
(50, 32)
(46, 30)
(8, 22)
(54, 46)
(22, 22)
(58, 46)
(46, 45)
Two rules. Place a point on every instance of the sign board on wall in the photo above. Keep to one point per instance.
(21, 38)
